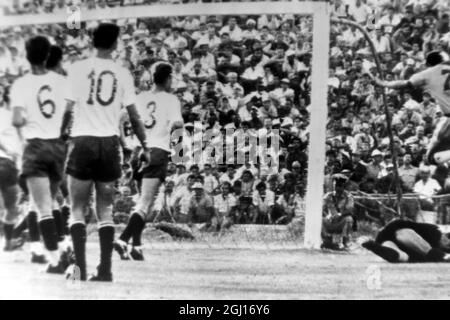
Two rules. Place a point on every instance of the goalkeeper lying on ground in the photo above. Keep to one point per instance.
(408, 241)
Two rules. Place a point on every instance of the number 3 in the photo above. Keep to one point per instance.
(102, 102)
(151, 121)
(47, 107)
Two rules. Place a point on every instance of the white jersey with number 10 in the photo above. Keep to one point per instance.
(159, 110)
(435, 81)
(100, 88)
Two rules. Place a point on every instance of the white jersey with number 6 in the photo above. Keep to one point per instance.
(100, 88)
(42, 99)
(159, 110)
(435, 81)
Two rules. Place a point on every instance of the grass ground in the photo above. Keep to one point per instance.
(220, 267)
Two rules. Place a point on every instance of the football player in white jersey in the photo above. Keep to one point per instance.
(38, 102)
(100, 88)
(9, 175)
(436, 81)
(31, 221)
(161, 112)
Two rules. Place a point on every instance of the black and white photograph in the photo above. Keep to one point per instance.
(199, 150)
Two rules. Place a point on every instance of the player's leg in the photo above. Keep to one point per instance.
(104, 203)
(81, 167)
(108, 171)
(150, 188)
(9, 190)
(56, 212)
(153, 176)
(388, 250)
(80, 192)
(65, 208)
(56, 174)
(30, 222)
(41, 194)
(10, 197)
(421, 251)
(37, 253)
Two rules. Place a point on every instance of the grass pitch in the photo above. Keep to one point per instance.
(217, 267)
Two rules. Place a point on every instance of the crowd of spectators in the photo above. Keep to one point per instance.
(253, 73)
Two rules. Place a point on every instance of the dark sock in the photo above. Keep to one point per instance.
(59, 224)
(33, 226)
(386, 253)
(137, 234)
(106, 235)
(78, 232)
(65, 215)
(21, 227)
(8, 229)
(134, 224)
(49, 234)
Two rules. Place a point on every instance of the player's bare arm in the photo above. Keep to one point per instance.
(138, 129)
(396, 84)
(18, 120)
(67, 120)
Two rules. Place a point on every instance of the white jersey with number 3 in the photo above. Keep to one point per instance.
(42, 99)
(435, 81)
(159, 110)
(100, 88)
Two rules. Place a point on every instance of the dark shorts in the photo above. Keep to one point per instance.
(159, 160)
(95, 158)
(9, 174)
(44, 158)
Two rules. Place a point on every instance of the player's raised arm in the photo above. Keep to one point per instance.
(396, 84)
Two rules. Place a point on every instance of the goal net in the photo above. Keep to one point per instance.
(319, 11)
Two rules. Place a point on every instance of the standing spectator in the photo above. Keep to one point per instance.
(426, 187)
(408, 173)
(224, 205)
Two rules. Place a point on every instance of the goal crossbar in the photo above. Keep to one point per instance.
(320, 51)
(169, 10)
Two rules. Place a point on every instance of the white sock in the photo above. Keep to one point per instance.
(53, 257)
(121, 242)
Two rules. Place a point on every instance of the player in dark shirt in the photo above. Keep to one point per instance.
(409, 241)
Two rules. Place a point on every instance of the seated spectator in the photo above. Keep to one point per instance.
(164, 205)
(264, 201)
(338, 214)
(200, 208)
(408, 173)
(224, 205)
(426, 187)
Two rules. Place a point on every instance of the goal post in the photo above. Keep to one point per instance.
(320, 12)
